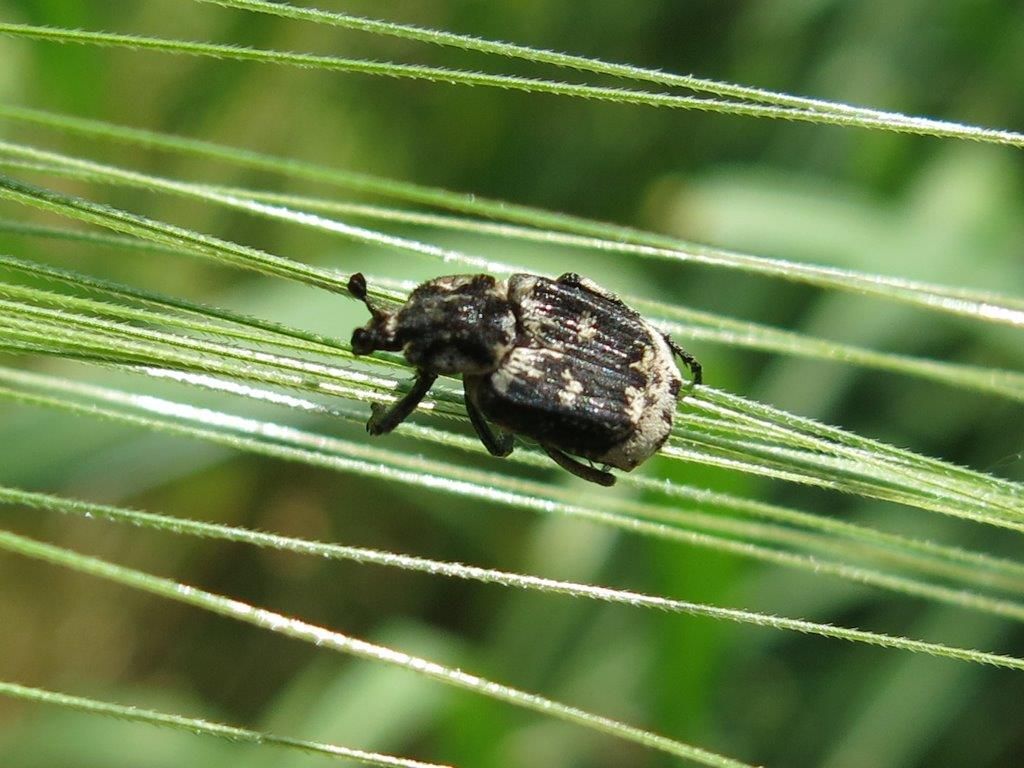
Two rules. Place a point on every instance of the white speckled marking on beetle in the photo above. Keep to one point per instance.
(572, 388)
(524, 362)
(651, 410)
(586, 327)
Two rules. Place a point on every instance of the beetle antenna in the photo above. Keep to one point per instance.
(357, 287)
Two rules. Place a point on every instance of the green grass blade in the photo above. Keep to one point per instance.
(340, 643)
(187, 527)
(921, 556)
(196, 323)
(525, 84)
(205, 246)
(766, 440)
(234, 324)
(587, 64)
(281, 442)
(978, 305)
(680, 321)
(202, 727)
(738, 432)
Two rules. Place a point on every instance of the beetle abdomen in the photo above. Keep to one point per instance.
(581, 376)
(536, 392)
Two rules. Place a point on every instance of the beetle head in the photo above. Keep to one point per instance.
(449, 325)
(379, 333)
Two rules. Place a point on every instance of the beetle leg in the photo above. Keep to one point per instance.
(687, 358)
(579, 469)
(575, 281)
(384, 420)
(497, 443)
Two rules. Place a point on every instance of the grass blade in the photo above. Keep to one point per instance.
(203, 727)
(338, 642)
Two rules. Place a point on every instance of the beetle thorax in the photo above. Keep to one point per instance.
(457, 324)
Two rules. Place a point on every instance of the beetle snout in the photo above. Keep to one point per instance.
(363, 341)
(379, 333)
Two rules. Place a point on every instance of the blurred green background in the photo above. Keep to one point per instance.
(931, 209)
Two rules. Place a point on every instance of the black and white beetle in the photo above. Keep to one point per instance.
(562, 361)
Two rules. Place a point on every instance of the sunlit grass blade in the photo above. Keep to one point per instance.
(185, 240)
(291, 444)
(925, 557)
(836, 537)
(933, 477)
(211, 247)
(848, 474)
(975, 304)
(82, 308)
(978, 305)
(921, 556)
(588, 64)
(737, 430)
(453, 76)
(340, 643)
(203, 727)
(765, 440)
(679, 321)
(117, 342)
(684, 322)
(510, 82)
(188, 527)
(213, 319)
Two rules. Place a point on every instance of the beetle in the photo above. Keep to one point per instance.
(563, 362)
